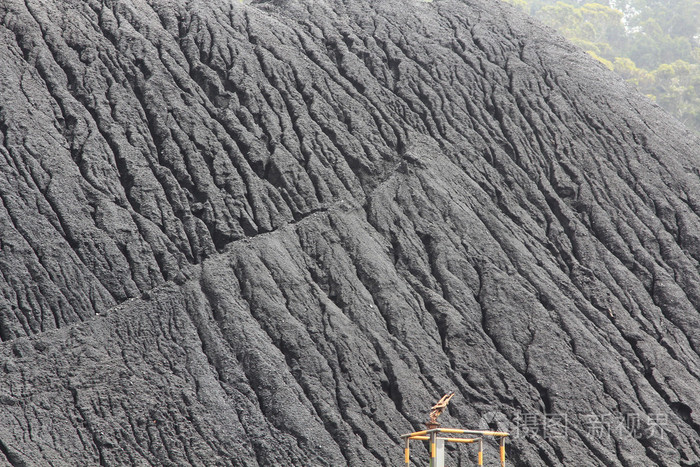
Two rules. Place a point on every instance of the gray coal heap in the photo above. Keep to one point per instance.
(273, 233)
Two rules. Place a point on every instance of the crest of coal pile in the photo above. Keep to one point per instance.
(276, 232)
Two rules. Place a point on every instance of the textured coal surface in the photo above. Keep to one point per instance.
(273, 233)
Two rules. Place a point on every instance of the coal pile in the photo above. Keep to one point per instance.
(275, 232)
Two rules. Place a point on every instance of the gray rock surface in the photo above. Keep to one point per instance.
(274, 232)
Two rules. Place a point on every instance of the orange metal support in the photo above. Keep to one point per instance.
(407, 453)
(503, 452)
(431, 436)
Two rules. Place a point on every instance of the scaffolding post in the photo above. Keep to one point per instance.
(503, 451)
(440, 452)
(433, 448)
(480, 458)
(407, 453)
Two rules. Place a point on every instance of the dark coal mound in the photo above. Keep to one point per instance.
(274, 233)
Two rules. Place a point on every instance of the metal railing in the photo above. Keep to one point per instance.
(437, 443)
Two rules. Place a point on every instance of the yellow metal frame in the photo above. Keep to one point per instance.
(432, 437)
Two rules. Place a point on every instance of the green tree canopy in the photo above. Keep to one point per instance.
(653, 44)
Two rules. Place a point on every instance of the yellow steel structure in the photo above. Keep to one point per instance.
(432, 436)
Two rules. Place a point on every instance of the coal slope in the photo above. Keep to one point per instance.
(274, 233)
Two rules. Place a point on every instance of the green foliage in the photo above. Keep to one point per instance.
(522, 4)
(653, 44)
(677, 87)
(640, 77)
(605, 62)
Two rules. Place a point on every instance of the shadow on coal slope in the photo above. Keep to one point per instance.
(273, 233)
